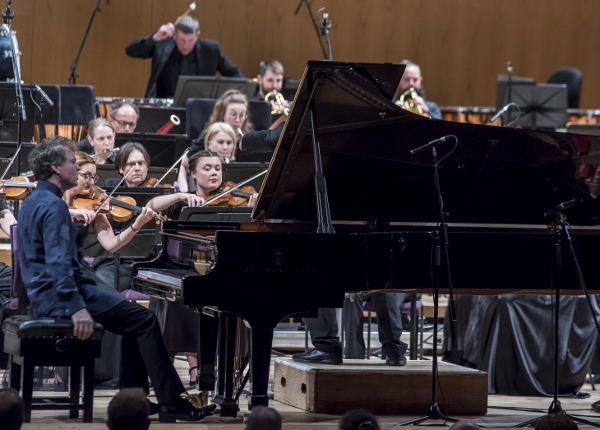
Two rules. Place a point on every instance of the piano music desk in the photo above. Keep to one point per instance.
(382, 389)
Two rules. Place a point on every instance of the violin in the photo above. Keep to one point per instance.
(153, 183)
(237, 197)
(16, 188)
(120, 208)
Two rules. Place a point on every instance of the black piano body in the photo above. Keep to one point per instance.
(496, 182)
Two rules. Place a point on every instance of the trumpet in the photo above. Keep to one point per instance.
(278, 103)
(407, 101)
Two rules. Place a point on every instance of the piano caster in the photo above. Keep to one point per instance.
(229, 407)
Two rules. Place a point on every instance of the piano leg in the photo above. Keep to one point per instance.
(262, 343)
(228, 333)
(207, 352)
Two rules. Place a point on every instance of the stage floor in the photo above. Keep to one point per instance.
(500, 414)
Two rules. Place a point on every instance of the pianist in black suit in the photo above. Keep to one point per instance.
(58, 287)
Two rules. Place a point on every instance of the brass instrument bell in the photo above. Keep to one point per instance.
(407, 101)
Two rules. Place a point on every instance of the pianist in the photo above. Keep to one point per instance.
(57, 286)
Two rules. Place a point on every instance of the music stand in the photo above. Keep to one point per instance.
(9, 114)
(142, 243)
(502, 87)
(164, 149)
(542, 105)
(21, 164)
(153, 118)
(238, 172)
(107, 171)
(209, 87)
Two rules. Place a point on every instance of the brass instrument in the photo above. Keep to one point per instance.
(407, 101)
(278, 103)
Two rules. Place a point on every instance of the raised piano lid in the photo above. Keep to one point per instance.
(495, 175)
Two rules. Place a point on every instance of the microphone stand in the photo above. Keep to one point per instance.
(73, 75)
(560, 232)
(509, 88)
(316, 26)
(441, 243)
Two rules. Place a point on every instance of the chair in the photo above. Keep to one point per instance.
(31, 342)
(572, 78)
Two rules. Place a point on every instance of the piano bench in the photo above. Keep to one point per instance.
(32, 342)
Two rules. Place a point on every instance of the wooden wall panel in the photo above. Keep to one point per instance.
(461, 45)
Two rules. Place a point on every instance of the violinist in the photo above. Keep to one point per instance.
(6, 220)
(100, 140)
(131, 154)
(206, 170)
(232, 109)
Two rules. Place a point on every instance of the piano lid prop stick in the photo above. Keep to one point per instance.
(241, 184)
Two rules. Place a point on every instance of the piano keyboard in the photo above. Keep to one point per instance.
(171, 277)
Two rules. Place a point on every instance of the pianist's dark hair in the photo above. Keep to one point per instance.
(49, 152)
(125, 152)
(193, 161)
(358, 419)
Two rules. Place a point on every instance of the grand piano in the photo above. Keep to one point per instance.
(343, 193)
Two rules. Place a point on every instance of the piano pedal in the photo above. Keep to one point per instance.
(198, 400)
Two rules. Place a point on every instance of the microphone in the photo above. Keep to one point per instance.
(501, 112)
(43, 93)
(509, 68)
(325, 24)
(561, 207)
(431, 144)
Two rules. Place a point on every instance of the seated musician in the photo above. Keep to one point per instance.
(179, 323)
(58, 287)
(6, 220)
(412, 78)
(131, 154)
(232, 109)
(124, 116)
(100, 140)
(269, 79)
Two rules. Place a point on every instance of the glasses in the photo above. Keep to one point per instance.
(125, 123)
(240, 116)
(89, 177)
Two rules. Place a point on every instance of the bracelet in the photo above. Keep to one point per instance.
(135, 230)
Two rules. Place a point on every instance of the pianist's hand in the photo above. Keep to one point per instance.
(83, 324)
(83, 215)
(165, 30)
(192, 200)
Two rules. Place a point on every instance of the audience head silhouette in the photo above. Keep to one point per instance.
(464, 425)
(12, 408)
(558, 421)
(263, 418)
(359, 419)
(129, 410)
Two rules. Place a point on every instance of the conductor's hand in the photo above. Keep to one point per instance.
(192, 200)
(165, 30)
(83, 324)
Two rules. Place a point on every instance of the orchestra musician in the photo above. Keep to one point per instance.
(177, 50)
(269, 79)
(58, 287)
(412, 78)
(100, 140)
(6, 220)
(124, 116)
(131, 154)
(232, 109)
(179, 323)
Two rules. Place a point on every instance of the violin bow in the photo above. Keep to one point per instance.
(172, 167)
(241, 184)
(107, 200)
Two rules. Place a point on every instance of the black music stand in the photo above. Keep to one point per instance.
(209, 87)
(21, 164)
(163, 149)
(561, 234)
(238, 172)
(541, 105)
(108, 171)
(9, 113)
